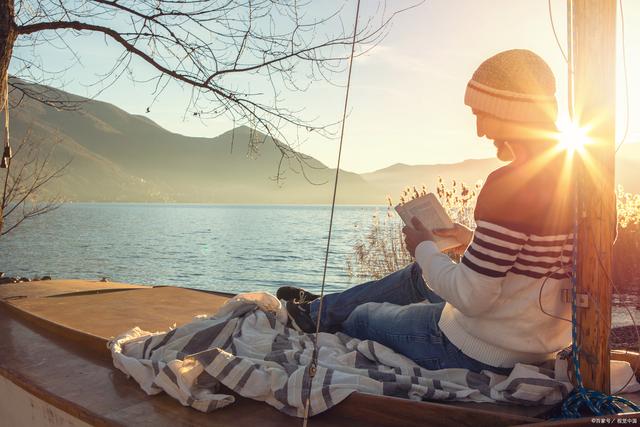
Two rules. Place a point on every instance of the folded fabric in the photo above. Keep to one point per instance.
(247, 347)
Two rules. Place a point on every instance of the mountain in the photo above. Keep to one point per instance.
(393, 179)
(116, 156)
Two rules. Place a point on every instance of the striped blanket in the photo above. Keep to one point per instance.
(247, 347)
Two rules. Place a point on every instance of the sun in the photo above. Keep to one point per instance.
(572, 136)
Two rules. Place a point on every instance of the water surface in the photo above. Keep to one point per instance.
(218, 247)
(226, 248)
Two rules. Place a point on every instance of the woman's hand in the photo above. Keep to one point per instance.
(413, 236)
(462, 234)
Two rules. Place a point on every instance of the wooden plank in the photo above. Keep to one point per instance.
(628, 356)
(390, 411)
(19, 408)
(108, 314)
(87, 321)
(593, 59)
(47, 288)
(620, 419)
(83, 383)
(634, 360)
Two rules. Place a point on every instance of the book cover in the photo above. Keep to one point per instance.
(431, 214)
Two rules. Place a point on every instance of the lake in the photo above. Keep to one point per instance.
(230, 248)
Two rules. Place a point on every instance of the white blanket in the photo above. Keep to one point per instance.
(247, 347)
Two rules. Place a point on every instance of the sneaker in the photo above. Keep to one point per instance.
(299, 318)
(292, 293)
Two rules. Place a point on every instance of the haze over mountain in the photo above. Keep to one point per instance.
(393, 179)
(116, 156)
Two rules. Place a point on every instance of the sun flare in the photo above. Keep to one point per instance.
(572, 136)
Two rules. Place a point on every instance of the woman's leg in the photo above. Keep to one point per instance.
(403, 287)
(411, 330)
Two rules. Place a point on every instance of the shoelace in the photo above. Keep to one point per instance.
(302, 300)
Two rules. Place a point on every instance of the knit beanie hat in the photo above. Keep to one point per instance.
(514, 85)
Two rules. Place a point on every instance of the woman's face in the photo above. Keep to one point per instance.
(481, 123)
(494, 129)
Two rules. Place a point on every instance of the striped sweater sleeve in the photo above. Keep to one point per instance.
(473, 285)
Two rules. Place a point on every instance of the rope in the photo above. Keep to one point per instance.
(314, 359)
(626, 79)
(5, 161)
(6, 153)
(555, 34)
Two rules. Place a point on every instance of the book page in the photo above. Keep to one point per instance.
(431, 214)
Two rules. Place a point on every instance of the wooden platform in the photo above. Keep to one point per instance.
(49, 288)
(108, 314)
(53, 345)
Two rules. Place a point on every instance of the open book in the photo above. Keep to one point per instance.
(430, 212)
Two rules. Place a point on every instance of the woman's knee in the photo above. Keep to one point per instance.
(357, 323)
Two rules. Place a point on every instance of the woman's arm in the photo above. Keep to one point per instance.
(473, 285)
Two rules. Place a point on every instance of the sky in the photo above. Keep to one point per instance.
(406, 102)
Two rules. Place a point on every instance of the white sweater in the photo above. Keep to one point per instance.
(494, 310)
(502, 296)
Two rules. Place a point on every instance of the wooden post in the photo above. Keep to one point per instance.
(593, 58)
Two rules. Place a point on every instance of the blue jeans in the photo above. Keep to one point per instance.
(401, 312)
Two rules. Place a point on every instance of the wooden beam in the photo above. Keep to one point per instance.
(593, 56)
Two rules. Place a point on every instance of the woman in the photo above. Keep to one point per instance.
(502, 304)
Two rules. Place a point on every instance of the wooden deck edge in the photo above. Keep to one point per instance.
(206, 291)
(420, 413)
(93, 292)
(93, 342)
(89, 341)
(590, 421)
(388, 410)
(632, 357)
(70, 407)
(19, 408)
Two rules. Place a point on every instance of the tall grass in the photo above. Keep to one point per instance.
(626, 250)
(381, 251)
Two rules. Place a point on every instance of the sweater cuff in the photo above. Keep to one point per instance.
(424, 252)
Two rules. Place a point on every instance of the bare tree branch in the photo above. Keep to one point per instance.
(18, 90)
(219, 48)
(30, 169)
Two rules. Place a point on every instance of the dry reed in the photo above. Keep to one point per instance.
(381, 250)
